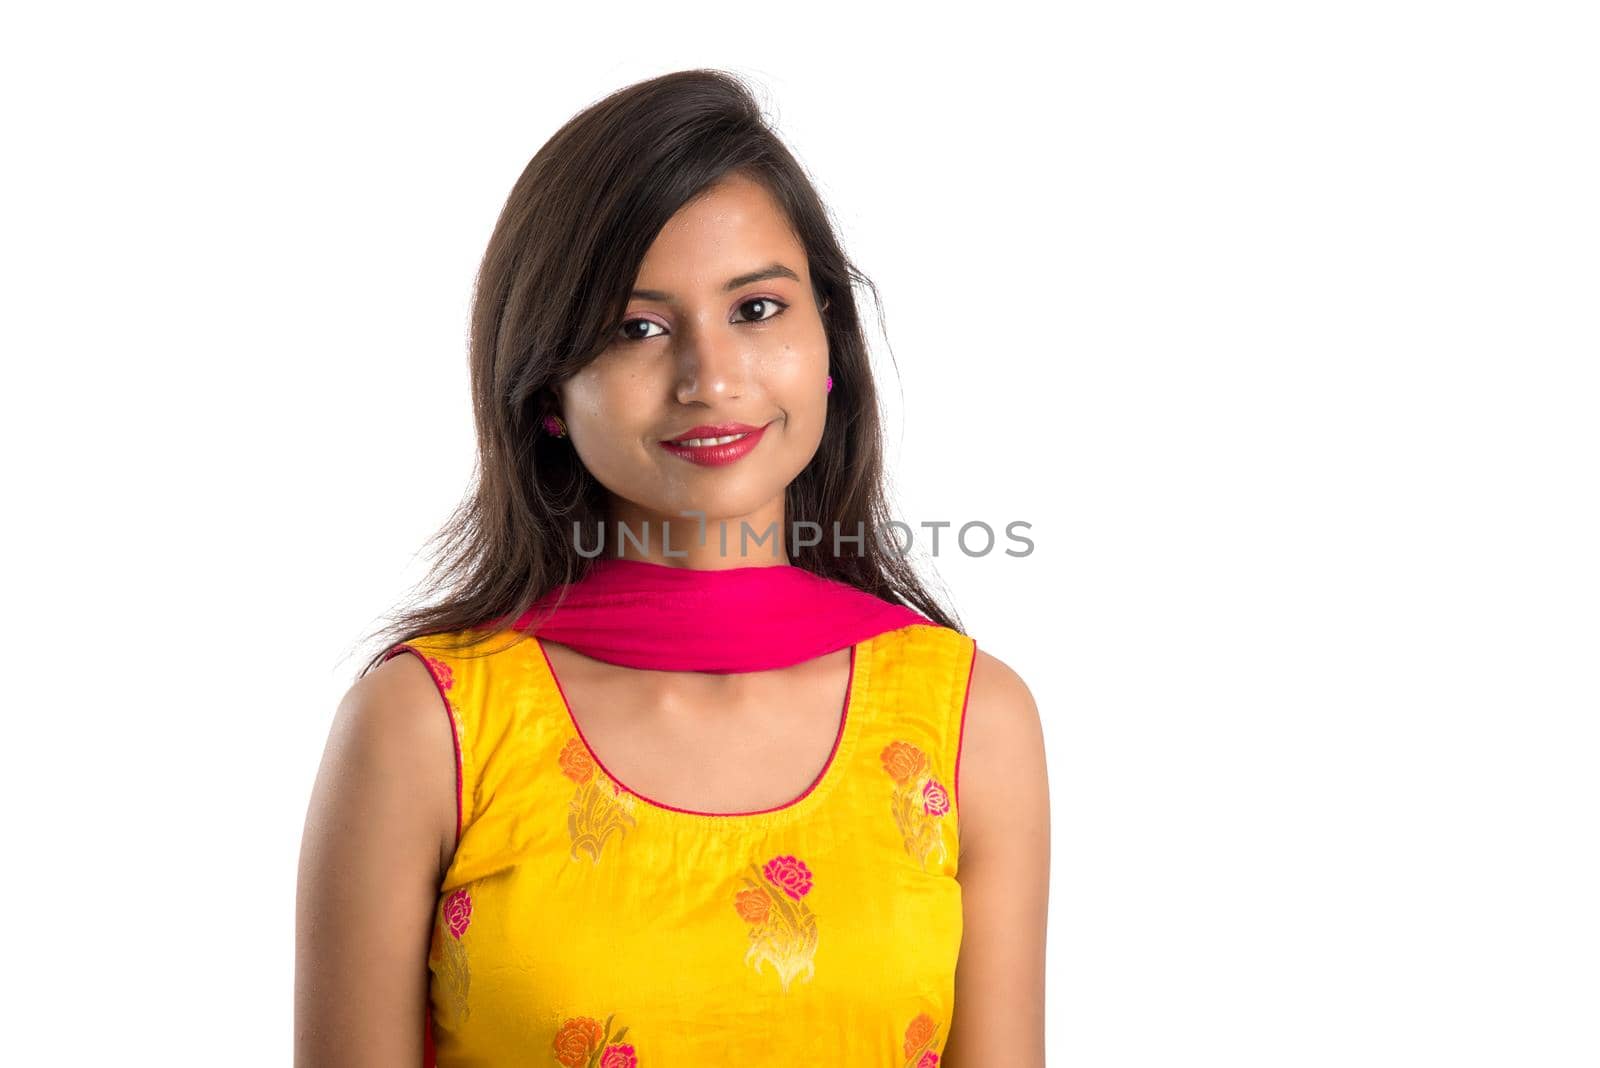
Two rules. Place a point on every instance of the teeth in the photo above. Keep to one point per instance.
(697, 442)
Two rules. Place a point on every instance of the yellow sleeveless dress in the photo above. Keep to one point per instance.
(582, 924)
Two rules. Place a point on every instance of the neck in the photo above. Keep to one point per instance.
(695, 542)
(704, 558)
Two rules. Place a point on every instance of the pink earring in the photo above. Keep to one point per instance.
(830, 385)
(554, 426)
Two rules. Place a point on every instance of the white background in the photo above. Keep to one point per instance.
(1277, 321)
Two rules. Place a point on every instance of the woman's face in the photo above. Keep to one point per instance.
(722, 328)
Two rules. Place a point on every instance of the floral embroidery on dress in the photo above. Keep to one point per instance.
(449, 956)
(921, 1036)
(441, 671)
(594, 813)
(583, 1042)
(919, 801)
(783, 929)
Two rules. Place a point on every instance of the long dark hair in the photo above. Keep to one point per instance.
(550, 294)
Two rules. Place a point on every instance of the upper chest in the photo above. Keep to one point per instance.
(704, 742)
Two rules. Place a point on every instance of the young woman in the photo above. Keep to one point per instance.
(728, 791)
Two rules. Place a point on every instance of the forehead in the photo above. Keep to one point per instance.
(734, 226)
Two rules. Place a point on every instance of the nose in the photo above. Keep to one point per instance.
(712, 366)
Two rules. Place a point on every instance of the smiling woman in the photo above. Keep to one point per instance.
(703, 334)
(722, 794)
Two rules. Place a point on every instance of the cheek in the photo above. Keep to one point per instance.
(597, 400)
(798, 373)
(796, 368)
(609, 413)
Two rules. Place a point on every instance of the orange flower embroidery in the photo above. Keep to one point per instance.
(448, 956)
(576, 763)
(921, 1036)
(919, 801)
(593, 814)
(783, 929)
(753, 906)
(582, 1042)
(904, 761)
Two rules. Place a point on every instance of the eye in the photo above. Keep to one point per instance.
(628, 336)
(637, 329)
(777, 307)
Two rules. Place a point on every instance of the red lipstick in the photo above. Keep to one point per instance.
(711, 453)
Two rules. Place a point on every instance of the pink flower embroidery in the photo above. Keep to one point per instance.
(789, 875)
(918, 802)
(619, 1057)
(929, 1059)
(783, 929)
(448, 956)
(458, 912)
(441, 671)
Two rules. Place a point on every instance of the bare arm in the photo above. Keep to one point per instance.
(1004, 872)
(378, 836)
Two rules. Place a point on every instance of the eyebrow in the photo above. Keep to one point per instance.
(772, 270)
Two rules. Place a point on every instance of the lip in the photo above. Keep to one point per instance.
(716, 455)
(713, 430)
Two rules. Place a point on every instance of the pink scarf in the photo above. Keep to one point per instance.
(664, 618)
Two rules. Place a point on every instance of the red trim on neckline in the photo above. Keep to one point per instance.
(827, 768)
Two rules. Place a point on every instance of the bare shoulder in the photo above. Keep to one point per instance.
(1002, 776)
(378, 830)
(1004, 870)
(394, 723)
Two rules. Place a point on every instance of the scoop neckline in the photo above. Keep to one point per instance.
(850, 716)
